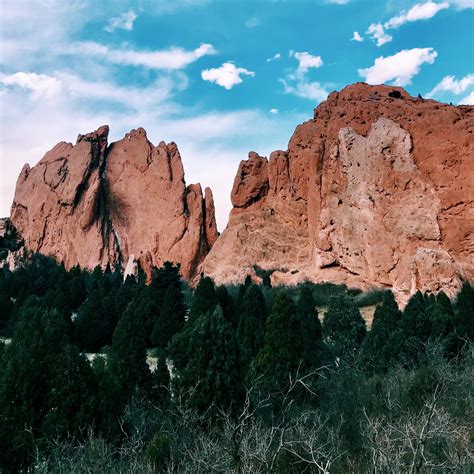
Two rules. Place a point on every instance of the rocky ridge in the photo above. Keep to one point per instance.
(377, 190)
(124, 204)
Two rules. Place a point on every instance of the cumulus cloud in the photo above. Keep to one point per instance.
(121, 22)
(169, 59)
(306, 90)
(227, 75)
(274, 57)
(296, 81)
(462, 4)
(450, 84)
(377, 33)
(306, 61)
(40, 85)
(468, 100)
(420, 11)
(399, 68)
(357, 37)
(274, 111)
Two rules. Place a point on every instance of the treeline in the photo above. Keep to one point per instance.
(244, 379)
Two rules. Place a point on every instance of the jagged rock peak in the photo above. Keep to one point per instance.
(376, 190)
(97, 204)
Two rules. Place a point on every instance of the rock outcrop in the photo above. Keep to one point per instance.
(377, 190)
(122, 204)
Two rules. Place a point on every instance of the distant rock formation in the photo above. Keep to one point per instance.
(377, 190)
(120, 204)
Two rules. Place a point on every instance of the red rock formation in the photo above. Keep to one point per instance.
(375, 190)
(93, 204)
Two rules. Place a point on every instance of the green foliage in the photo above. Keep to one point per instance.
(128, 353)
(382, 345)
(206, 360)
(251, 329)
(282, 352)
(158, 450)
(464, 316)
(45, 387)
(343, 327)
(311, 329)
(96, 321)
(171, 318)
(227, 304)
(204, 299)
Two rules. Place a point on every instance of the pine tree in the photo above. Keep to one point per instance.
(204, 299)
(206, 361)
(282, 352)
(129, 352)
(45, 387)
(251, 329)
(311, 329)
(226, 303)
(464, 316)
(382, 345)
(343, 327)
(171, 318)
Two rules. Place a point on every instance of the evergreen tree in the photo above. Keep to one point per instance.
(251, 329)
(6, 305)
(382, 345)
(129, 352)
(171, 318)
(343, 327)
(163, 278)
(96, 321)
(226, 303)
(311, 329)
(206, 362)
(204, 299)
(45, 387)
(282, 352)
(464, 316)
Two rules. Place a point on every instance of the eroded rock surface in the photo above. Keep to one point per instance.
(93, 204)
(374, 191)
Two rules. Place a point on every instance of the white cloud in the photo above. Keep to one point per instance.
(274, 111)
(468, 100)
(357, 37)
(462, 4)
(420, 11)
(399, 68)
(41, 85)
(306, 90)
(450, 84)
(252, 22)
(377, 33)
(121, 22)
(173, 58)
(274, 57)
(306, 61)
(338, 2)
(297, 82)
(227, 75)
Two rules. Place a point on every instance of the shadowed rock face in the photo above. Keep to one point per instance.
(375, 190)
(93, 204)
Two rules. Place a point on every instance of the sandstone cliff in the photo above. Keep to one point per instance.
(119, 204)
(377, 190)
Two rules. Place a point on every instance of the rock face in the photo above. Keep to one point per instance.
(377, 190)
(119, 204)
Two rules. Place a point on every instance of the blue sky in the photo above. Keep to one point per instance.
(219, 77)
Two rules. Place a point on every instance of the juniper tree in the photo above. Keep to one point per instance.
(251, 328)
